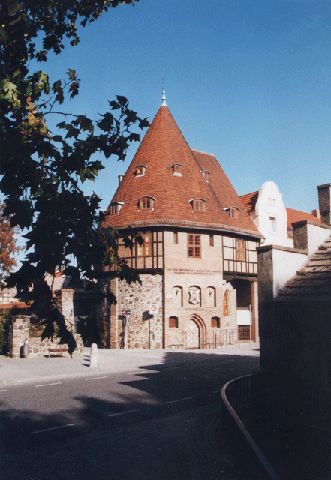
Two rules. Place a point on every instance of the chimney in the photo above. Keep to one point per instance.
(324, 201)
(120, 178)
(316, 213)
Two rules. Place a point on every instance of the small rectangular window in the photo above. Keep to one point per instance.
(173, 322)
(194, 248)
(175, 237)
(211, 240)
(198, 205)
(140, 170)
(215, 322)
(176, 169)
(272, 221)
(145, 250)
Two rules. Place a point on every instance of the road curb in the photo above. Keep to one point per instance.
(251, 444)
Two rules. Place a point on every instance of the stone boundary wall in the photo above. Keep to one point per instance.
(144, 331)
(20, 332)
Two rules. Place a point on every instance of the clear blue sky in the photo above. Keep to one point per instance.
(248, 80)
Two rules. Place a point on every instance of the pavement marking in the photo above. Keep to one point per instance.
(95, 378)
(180, 400)
(48, 384)
(123, 413)
(50, 429)
(3, 390)
(139, 372)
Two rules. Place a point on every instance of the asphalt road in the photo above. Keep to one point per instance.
(159, 422)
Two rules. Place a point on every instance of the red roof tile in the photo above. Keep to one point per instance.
(13, 305)
(249, 200)
(297, 216)
(163, 146)
(223, 189)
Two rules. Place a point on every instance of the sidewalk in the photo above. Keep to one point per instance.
(21, 370)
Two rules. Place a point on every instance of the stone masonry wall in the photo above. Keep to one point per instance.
(20, 333)
(65, 302)
(37, 346)
(144, 331)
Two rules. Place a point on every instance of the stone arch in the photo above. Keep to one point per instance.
(195, 332)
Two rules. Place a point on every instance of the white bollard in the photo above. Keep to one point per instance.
(94, 355)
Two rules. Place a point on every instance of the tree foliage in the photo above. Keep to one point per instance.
(42, 171)
(8, 247)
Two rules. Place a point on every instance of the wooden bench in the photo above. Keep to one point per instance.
(58, 351)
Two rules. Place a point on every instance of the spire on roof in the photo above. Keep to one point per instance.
(164, 98)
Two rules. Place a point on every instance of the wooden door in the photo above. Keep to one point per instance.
(192, 335)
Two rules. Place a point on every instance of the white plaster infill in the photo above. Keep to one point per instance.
(270, 215)
(275, 266)
(309, 235)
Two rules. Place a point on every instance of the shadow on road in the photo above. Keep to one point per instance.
(162, 423)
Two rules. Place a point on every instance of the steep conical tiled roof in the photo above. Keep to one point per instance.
(223, 190)
(162, 147)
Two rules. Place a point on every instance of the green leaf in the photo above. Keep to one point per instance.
(144, 123)
(57, 138)
(72, 132)
(4, 35)
(9, 92)
(13, 8)
(71, 74)
(73, 89)
(84, 123)
(114, 105)
(61, 125)
(123, 101)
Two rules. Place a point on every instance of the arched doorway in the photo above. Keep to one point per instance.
(195, 332)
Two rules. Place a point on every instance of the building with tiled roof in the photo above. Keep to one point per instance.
(273, 220)
(295, 340)
(198, 262)
(312, 282)
(172, 175)
(295, 328)
(294, 216)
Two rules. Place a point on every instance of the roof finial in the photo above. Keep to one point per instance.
(164, 97)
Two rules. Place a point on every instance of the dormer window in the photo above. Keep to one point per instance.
(205, 174)
(115, 207)
(146, 203)
(176, 169)
(140, 170)
(198, 204)
(232, 212)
